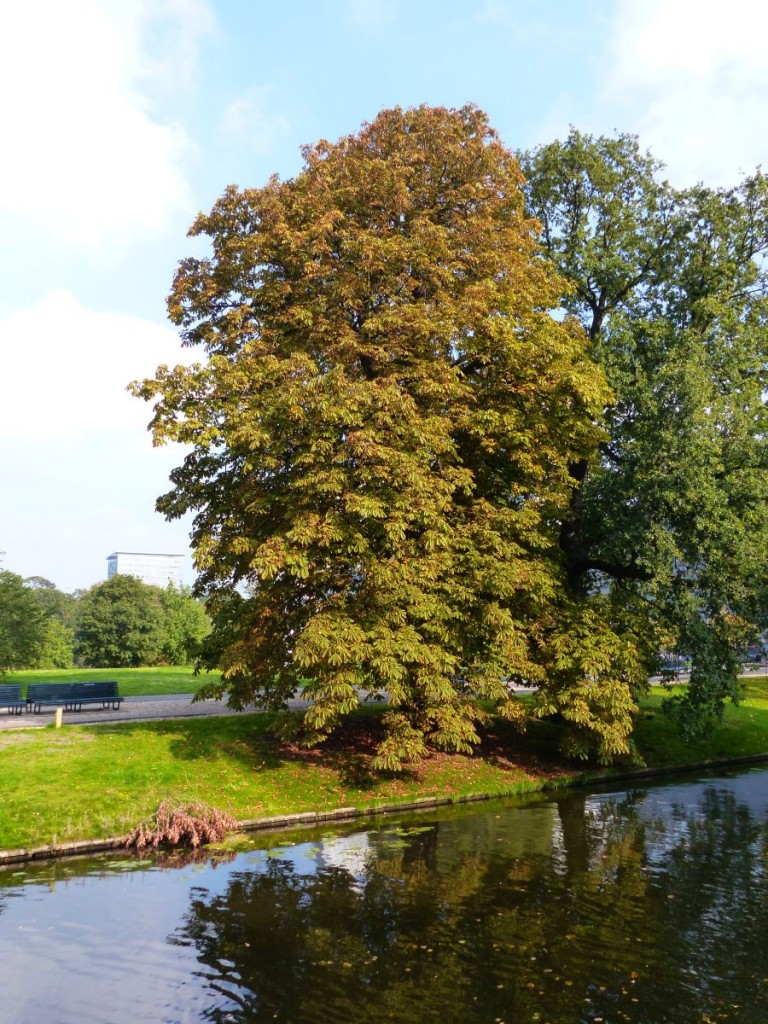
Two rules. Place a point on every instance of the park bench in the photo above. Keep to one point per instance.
(104, 693)
(73, 696)
(10, 698)
(40, 695)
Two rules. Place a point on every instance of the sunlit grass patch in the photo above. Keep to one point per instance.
(742, 732)
(133, 682)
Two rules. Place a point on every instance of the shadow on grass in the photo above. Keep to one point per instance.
(536, 751)
(248, 740)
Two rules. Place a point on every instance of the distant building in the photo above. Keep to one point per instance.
(157, 570)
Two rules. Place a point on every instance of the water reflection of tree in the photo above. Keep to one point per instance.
(619, 915)
(713, 899)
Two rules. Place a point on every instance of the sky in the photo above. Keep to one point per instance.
(121, 119)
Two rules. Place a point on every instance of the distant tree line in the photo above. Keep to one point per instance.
(121, 623)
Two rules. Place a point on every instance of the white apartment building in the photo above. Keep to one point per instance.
(157, 570)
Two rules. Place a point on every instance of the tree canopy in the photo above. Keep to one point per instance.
(671, 288)
(22, 623)
(119, 624)
(185, 625)
(439, 446)
(381, 435)
(124, 622)
(57, 650)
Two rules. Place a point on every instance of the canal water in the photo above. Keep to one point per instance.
(645, 904)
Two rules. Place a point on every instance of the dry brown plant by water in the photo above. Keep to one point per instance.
(190, 825)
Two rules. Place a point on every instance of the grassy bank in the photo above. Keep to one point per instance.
(89, 782)
(134, 682)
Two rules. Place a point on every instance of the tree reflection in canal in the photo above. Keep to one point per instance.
(616, 908)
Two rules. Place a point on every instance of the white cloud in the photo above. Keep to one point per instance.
(79, 471)
(372, 14)
(66, 369)
(691, 78)
(493, 12)
(253, 118)
(77, 499)
(87, 159)
(176, 27)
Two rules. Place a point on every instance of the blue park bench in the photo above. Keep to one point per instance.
(73, 696)
(10, 698)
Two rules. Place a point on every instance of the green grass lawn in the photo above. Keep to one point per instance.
(742, 732)
(83, 782)
(134, 682)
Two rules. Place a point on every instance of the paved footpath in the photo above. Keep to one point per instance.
(134, 709)
(146, 709)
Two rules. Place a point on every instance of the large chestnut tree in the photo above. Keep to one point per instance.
(382, 430)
